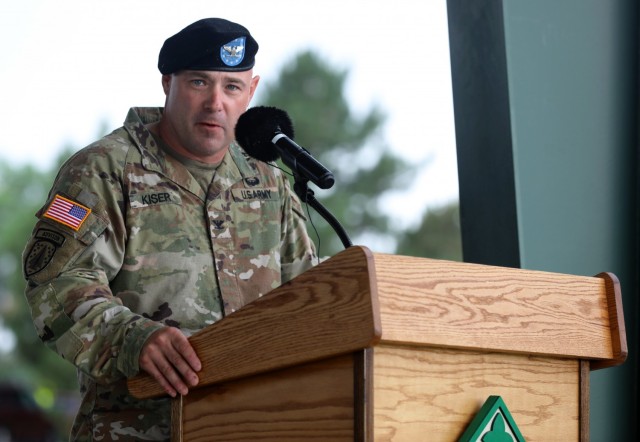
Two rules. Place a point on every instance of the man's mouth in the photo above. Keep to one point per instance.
(209, 124)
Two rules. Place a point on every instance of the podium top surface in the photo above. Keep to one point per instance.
(461, 305)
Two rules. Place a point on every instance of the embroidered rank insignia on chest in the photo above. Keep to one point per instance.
(252, 181)
(67, 212)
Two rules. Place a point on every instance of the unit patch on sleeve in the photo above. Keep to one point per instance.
(42, 251)
(67, 212)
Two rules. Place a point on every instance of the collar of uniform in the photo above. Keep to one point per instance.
(241, 159)
(152, 156)
(137, 118)
(234, 168)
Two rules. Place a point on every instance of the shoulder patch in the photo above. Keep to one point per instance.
(42, 251)
(67, 212)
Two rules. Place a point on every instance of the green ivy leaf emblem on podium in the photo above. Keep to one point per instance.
(497, 433)
(493, 423)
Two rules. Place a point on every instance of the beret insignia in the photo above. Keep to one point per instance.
(232, 53)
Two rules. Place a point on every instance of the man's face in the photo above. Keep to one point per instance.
(201, 111)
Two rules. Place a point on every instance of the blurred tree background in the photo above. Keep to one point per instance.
(349, 144)
(24, 360)
(353, 148)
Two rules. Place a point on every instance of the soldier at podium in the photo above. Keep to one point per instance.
(158, 230)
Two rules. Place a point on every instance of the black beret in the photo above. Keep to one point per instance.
(210, 44)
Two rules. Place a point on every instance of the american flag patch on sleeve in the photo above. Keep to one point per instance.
(67, 212)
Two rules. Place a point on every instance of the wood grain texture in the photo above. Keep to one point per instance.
(328, 310)
(176, 419)
(616, 317)
(585, 382)
(309, 402)
(433, 394)
(452, 304)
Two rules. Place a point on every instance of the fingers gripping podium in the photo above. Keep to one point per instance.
(377, 347)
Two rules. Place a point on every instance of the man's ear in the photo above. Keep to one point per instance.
(253, 86)
(166, 83)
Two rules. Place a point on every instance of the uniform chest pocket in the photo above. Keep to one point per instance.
(257, 220)
(162, 220)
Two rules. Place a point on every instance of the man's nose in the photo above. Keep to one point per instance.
(214, 99)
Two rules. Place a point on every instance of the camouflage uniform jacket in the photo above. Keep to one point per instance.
(129, 242)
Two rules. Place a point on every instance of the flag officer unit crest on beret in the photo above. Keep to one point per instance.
(210, 44)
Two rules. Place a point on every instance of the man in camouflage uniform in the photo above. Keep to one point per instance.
(158, 230)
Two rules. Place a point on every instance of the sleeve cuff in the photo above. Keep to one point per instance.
(128, 359)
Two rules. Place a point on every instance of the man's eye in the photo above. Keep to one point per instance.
(197, 82)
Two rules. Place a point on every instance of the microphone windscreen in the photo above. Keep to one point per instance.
(256, 128)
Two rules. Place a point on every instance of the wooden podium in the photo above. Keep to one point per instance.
(376, 347)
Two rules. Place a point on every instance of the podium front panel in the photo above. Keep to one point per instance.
(313, 401)
(437, 392)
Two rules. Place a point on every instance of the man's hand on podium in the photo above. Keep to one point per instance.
(171, 360)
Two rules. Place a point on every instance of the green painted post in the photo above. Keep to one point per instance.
(567, 71)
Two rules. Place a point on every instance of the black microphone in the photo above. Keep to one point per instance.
(266, 134)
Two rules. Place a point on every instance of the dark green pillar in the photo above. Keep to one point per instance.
(545, 100)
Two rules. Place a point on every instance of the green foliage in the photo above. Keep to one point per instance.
(22, 192)
(31, 364)
(438, 236)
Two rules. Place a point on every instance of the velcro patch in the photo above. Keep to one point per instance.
(264, 194)
(139, 200)
(42, 251)
(67, 212)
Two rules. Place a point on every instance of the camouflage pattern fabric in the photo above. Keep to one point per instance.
(129, 242)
